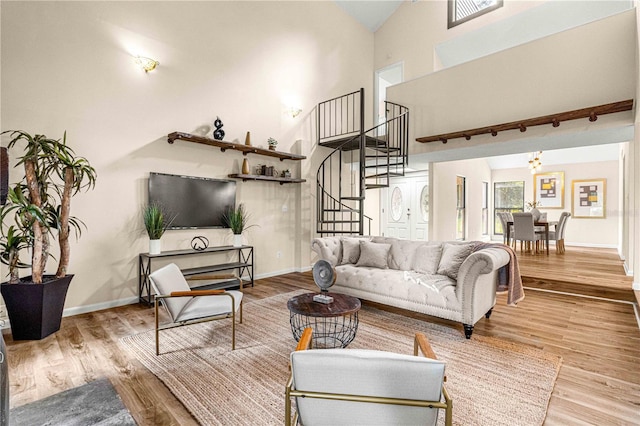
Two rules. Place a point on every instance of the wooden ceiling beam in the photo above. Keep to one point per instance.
(591, 113)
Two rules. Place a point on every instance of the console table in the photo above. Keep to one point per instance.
(244, 266)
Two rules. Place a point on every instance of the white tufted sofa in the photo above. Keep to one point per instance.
(419, 275)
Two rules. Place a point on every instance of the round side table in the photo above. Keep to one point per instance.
(334, 324)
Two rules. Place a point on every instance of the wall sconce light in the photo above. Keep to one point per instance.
(294, 111)
(147, 64)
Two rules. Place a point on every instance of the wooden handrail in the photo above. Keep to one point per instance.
(554, 119)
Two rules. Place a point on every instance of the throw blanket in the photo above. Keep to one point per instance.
(509, 278)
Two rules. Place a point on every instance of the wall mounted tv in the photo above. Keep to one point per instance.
(197, 202)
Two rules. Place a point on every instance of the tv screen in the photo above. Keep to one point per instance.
(196, 202)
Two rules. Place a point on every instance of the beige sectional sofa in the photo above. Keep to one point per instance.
(447, 279)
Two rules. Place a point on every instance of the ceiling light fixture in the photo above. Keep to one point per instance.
(535, 163)
(147, 64)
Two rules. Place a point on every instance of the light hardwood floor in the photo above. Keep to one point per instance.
(599, 340)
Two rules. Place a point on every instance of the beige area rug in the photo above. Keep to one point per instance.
(491, 381)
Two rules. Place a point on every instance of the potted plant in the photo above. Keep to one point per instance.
(272, 144)
(38, 207)
(156, 221)
(237, 219)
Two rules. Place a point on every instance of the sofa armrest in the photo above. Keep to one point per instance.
(329, 249)
(477, 281)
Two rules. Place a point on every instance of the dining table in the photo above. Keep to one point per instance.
(546, 224)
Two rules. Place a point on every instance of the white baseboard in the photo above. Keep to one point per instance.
(609, 246)
(69, 312)
(636, 286)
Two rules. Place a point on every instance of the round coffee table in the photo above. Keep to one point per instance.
(334, 324)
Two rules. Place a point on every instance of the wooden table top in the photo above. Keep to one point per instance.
(342, 305)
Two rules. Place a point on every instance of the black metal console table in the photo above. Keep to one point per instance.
(244, 266)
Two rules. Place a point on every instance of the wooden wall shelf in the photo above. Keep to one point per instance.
(223, 145)
(280, 180)
(554, 119)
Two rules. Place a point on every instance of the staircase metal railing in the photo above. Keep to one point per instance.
(381, 150)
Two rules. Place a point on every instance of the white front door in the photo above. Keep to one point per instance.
(405, 209)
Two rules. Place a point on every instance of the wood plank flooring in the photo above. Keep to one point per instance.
(599, 340)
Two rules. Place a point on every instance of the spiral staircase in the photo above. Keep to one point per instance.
(360, 159)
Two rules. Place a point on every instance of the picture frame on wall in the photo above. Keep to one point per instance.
(549, 190)
(589, 198)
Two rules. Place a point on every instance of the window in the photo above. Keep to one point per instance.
(507, 197)
(461, 183)
(485, 208)
(461, 11)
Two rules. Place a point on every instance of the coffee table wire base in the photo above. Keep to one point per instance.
(328, 332)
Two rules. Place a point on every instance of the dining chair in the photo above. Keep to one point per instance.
(525, 231)
(186, 306)
(366, 387)
(558, 233)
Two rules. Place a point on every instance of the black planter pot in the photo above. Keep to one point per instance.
(35, 310)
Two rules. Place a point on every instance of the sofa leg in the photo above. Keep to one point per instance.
(488, 314)
(468, 330)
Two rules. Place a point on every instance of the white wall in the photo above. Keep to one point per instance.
(68, 66)
(580, 231)
(443, 206)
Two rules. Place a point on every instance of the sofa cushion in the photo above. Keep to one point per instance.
(402, 254)
(452, 257)
(373, 255)
(350, 250)
(427, 259)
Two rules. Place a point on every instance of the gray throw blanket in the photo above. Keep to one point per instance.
(509, 278)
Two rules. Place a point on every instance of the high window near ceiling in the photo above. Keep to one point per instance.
(461, 11)
(507, 197)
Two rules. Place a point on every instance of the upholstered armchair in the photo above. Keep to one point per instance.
(357, 386)
(185, 306)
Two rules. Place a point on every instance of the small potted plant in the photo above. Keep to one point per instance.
(156, 221)
(38, 207)
(272, 144)
(286, 173)
(237, 219)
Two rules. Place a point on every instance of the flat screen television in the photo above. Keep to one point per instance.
(196, 202)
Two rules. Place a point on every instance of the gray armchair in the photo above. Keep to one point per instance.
(185, 306)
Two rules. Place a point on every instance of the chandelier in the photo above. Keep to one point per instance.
(535, 164)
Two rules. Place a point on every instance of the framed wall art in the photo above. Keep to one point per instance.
(549, 190)
(588, 198)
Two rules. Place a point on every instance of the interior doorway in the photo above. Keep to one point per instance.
(384, 78)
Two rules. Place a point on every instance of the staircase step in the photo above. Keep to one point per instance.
(383, 148)
(383, 175)
(338, 221)
(383, 165)
(335, 231)
(352, 198)
(340, 211)
(384, 156)
(375, 186)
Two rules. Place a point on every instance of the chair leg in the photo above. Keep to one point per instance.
(157, 329)
(468, 330)
(233, 327)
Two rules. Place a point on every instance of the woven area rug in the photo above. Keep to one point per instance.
(491, 381)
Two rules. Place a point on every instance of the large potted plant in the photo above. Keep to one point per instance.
(237, 219)
(38, 208)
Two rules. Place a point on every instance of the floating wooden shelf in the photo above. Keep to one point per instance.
(280, 180)
(245, 149)
(554, 119)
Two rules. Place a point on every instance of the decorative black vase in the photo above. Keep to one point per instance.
(35, 310)
(218, 134)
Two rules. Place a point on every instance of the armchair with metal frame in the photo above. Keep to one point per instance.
(186, 306)
(358, 386)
